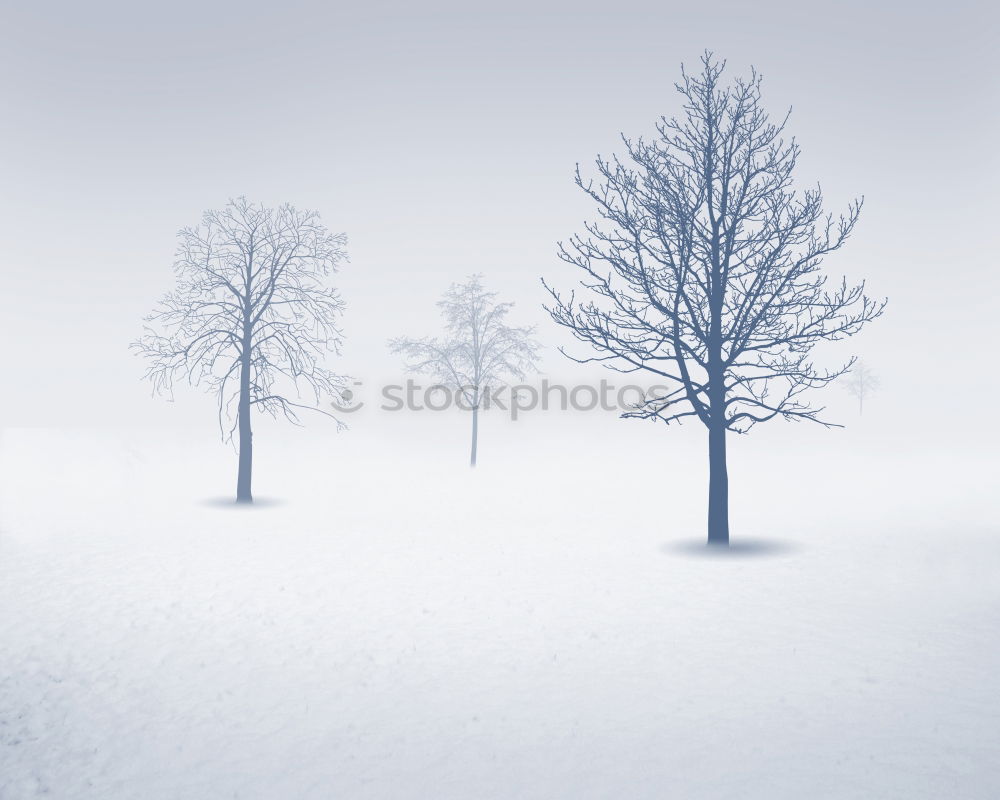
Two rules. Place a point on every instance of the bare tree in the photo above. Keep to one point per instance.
(479, 350)
(705, 271)
(862, 383)
(251, 318)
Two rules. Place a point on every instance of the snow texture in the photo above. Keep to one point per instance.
(545, 627)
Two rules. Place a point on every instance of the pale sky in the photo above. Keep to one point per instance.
(442, 140)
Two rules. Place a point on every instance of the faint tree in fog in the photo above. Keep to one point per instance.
(862, 383)
(251, 317)
(704, 270)
(478, 351)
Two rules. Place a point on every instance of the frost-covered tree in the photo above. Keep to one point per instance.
(704, 270)
(862, 383)
(251, 318)
(478, 350)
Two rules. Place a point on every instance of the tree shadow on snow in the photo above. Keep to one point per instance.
(738, 548)
(229, 502)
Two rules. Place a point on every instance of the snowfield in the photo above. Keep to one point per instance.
(385, 624)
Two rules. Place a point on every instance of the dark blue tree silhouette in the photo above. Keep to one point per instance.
(704, 270)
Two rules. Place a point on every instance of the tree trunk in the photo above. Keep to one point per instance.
(243, 493)
(475, 434)
(718, 488)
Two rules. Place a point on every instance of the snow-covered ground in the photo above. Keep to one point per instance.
(386, 624)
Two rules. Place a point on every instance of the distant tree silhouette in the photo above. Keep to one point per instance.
(705, 270)
(478, 351)
(862, 383)
(251, 318)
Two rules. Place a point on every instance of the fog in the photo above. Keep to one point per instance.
(442, 140)
(385, 622)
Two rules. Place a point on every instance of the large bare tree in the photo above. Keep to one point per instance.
(704, 270)
(251, 318)
(479, 350)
